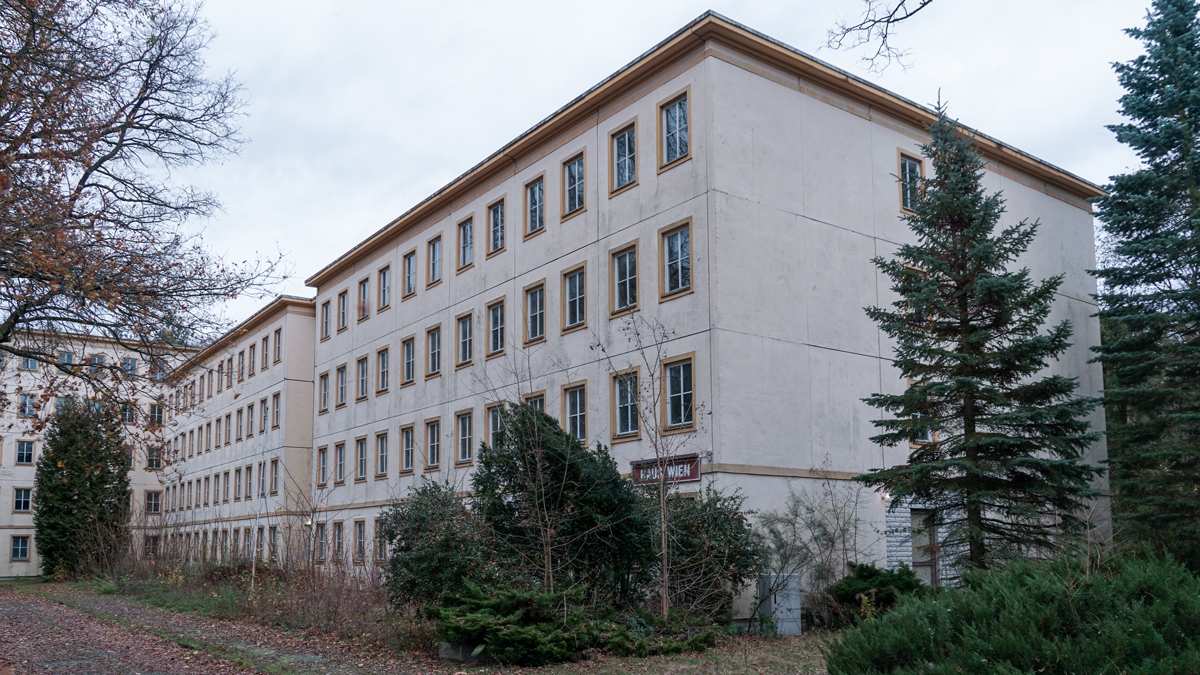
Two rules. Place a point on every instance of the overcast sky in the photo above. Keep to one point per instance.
(357, 110)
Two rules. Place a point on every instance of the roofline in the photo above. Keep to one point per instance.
(714, 26)
(268, 311)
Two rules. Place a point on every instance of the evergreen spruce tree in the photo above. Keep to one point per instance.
(998, 444)
(1150, 299)
(81, 491)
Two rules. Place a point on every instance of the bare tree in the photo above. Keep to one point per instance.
(100, 100)
(876, 26)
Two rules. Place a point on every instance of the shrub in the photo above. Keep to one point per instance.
(436, 544)
(868, 591)
(1127, 616)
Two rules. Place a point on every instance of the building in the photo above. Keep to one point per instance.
(29, 392)
(239, 430)
(722, 195)
(722, 185)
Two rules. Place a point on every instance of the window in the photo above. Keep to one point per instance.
(677, 261)
(154, 458)
(362, 378)
(464, 437)
(435, 261)
(262, 479)
(127, 413)
(406, 443)
(250, 418)
(262, 405)
(626, 403)
(625, 279)
(23, 496)
(434, 339)
(65, 361)
(241, 371)
(364, 299)
(496, 223)
(385, 287)
(253, 352)
(324, 320)
(130, 368)
(360, 459)
(410, 357)
(275, 476)
(536, 401)
(20, 548)
(576, 413)
(535, 201)
(225, 495)
(266, 341)
(229, 373)
(320, 537)
(237, 484)
(228, 430)
(466, 244)
(675, 130)
(495, 421)
(496, 328)
(278, 346)
(343, 311)
(925, 546)
(218, 432)
(381, 370)
(679, 393)
(360, 540)
(240, 424)
(465, 345)
(323, 392)
(380, 542)
(341, 385)
(433, 443)
(410, 274)
(26, 406)
(535, 314)
(153, 502)
(156, 414)
(910, 182)
(574, 299)
(573, 185)
(339, 452)
(207, 485)
(322, 466)
(624, 158)
(381, 455)
(28, 363)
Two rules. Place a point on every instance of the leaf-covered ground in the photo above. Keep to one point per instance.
(56, 628)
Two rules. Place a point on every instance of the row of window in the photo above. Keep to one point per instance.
(96, 363)
(623, 175)
(676, 279)
(199, 546)
(215, 380)
(220, 488)
(425, 445)
(234, 427)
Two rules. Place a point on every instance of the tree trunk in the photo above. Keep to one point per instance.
(662, 528)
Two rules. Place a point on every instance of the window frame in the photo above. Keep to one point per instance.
(32, 453)
(28, 500)
(343, 312)
(526, 232)
(408, 271)
(339, 386)
(408, 449)
(459, 417)
(615, 406)
(408, 361)
(323, 393)
(490, 354)
(663, 293)
(433, 443)
(525, 305)
(383, 291)
(433, 264)
(613, 188)
(489, 210)
(381, 467)
(326, 326)
(566, 419)
(564, 299)
(361, 464)
(665, 394)
(362, 378)
(12, 548)
(469, 318)
(494, 413)
(383, 370)
(901, 155)
(339, 463)
(613, 310)
(581, 157)
(661, 141)
(432, 355)
(322, 467)
(459, 248)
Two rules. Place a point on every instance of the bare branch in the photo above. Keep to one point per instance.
(876, 26)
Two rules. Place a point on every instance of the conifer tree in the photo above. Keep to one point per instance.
(81, 491)
(1150, 299)
(997, 443)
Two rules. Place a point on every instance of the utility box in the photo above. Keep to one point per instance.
(783, 603)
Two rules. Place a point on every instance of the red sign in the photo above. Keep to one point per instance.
(679, 469)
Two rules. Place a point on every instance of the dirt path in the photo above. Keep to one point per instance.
(59, 629)
(41, 636)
